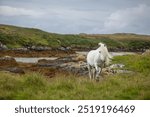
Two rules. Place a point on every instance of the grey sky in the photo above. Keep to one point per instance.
(78, 16)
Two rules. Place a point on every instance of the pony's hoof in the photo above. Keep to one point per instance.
(97, 80)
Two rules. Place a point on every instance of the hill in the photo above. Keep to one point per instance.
(16, 37)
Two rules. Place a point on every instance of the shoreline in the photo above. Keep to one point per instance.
(50, 53)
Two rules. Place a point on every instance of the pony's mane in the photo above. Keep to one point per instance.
(105, 53)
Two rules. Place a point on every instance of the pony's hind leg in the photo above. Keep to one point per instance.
(94, 73)
(90, 72)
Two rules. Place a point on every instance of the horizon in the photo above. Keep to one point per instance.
(77, 33)
(76, 17)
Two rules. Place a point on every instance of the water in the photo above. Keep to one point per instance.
(32, 60)
(35, 59)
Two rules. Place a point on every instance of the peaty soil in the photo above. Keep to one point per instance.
(33, 53)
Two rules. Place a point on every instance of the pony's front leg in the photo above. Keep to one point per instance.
(98, 70)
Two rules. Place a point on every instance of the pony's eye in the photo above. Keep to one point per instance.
(99, 51)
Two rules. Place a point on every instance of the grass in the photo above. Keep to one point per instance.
(15, 37)
(119, 86)
(137, 63)
(35, 86)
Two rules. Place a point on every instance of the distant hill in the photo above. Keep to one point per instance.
(16, 37)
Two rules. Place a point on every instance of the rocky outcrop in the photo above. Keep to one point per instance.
(65, 48)
(3, 47)
(15, 70)
(39, 48)
(147, 52)
(77, 65)
(7, 61)
(79, 57)
(69, 64)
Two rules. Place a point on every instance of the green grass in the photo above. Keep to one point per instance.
(35, 86)
(135, 85)
(137, 63)
(14, 37)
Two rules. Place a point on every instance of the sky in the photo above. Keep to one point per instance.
(78, 16)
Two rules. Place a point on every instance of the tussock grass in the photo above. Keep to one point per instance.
(135, 85)
(35, 86)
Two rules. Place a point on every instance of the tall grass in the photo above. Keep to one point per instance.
(35, 86)
(134, 85)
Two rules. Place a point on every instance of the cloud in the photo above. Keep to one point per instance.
(77, 16)
(16, 11)
(128, 19)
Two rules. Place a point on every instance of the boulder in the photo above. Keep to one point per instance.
(15, 70)
(79, 57)
(75, 67)
(147, 52)
(66, 64)
(20, 49)
(39, 48)
(54, 63)
(64, 48)
(115, 66)
(7, 61)
(3, 47)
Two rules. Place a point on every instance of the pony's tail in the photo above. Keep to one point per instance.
(108, 59)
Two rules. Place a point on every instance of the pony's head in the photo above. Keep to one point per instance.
(101, 45)
(104, 51)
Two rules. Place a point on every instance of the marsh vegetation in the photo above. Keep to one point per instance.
(34, 85)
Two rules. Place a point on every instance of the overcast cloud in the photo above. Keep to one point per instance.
(78, 16)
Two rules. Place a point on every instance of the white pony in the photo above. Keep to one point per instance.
(97, 59)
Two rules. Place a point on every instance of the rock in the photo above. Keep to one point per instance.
(3, 47)
(7, 61)
(54, 63)
(65, 59)
(79, 57)
(15, 70)
(114, 66)
(20, 49)
(66, 64)
(64, 48)
(75, 67)
(39, 48)
(47, 63)
(68, 48)
(147, 52)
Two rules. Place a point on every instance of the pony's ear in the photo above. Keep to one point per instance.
(99, 44)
